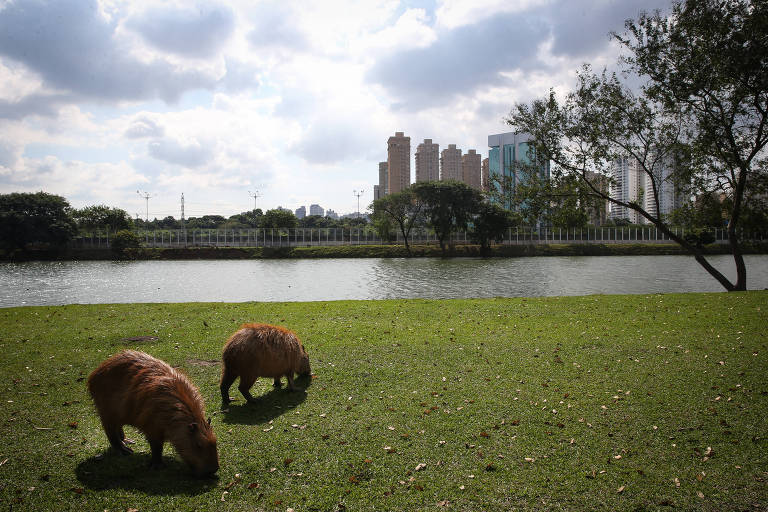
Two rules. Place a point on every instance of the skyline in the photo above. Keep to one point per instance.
(217, 100)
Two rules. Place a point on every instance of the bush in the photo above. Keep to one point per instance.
(123, 241)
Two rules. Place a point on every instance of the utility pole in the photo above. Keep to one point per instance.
(183, 232)
(146, 196)
(254, 195)
(358, 194)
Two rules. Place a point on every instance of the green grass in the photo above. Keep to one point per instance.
(648, 402)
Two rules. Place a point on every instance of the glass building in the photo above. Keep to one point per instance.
(507, 153)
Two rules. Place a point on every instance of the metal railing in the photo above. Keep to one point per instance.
(306, 237)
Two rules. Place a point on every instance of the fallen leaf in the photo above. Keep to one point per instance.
(620, 490)
(484, 434)
(287, 461)
(72, 424)
(420, 466)
(254, 485)
(677, 482)
(700, 494)
(529, 459)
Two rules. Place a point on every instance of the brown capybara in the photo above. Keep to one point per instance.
(134, 388)
(261, 350)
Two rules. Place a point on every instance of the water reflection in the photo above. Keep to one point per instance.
(40, 283)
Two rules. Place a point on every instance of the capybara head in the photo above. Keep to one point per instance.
(196, 445)
(304, 368)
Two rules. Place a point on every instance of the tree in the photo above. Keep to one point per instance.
(102, 217)
(31, 221)
(280, 219)
(489, 224)
(701, 112)
(123, 241)
(448, 205)
(403, 208)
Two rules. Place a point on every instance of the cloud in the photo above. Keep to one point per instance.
(190, 32)
(142, 127)
(275, 27)
(173, 152)
(460, 60)
(74, 50)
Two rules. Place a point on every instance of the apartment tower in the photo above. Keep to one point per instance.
(507, 154)
(383, 171)
(485, 175)
(470, 169)
(450, 163)
(427, 161)
(398, 163)
(626, 187)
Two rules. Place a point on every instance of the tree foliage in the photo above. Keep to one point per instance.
(34, 221)
(403, 209)
(701, 111)
(101, 217)
(489, 224)
(280, 219)
(448, 206)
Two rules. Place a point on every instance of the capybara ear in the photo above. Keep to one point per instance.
(192, 427)
(209, 422)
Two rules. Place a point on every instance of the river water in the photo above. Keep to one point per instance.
(56, 283)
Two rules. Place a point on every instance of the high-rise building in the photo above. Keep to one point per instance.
(331, 214)
(470, 169)
(598, 212)
(316, 209)
(383, 171)
(301, 212)
(427, 161)
(670, 196)
(398, 163)
(508, 155)
(485, 175)
(450, 163)
(626, 187)
(376, 192)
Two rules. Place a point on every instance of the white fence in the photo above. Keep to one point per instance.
(304, 237)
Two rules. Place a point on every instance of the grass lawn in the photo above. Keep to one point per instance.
(647, 402)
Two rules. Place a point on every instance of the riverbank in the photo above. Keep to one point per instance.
(380, 251)
(574, 403)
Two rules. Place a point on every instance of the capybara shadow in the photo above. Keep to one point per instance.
(267, 406)
(114, 471)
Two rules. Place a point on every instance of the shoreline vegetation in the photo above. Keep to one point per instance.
(620, 402)
(376, 251)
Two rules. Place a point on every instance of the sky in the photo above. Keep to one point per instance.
(290, 101)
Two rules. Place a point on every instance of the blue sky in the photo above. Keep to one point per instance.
(295, 99)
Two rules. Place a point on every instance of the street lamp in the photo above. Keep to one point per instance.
(358, 194)
(146, 196)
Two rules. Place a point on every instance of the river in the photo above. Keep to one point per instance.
(56, 283)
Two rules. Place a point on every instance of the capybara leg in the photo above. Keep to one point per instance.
(277, 383)
(245, 387)
(157, 453)
(226, 382)
(116, 436)
(291, 387)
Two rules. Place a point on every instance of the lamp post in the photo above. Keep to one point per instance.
(358, 194)
(146, 196)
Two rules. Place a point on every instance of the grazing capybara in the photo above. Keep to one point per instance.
(134, 388)
(261, 350)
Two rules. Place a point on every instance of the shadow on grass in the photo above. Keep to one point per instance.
(275, 403)
(115, 471)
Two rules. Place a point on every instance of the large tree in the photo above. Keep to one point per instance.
(448, 206)
(34, 221)
(280, 219)
(700, 111)
(403, 208)
(102, 217)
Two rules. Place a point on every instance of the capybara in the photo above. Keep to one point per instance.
(134, 388)
(261, 350)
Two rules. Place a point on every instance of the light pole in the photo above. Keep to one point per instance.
(146, 196)
(254, 195)
(358, 194)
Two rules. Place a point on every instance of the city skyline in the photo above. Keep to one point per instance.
(220, 100)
